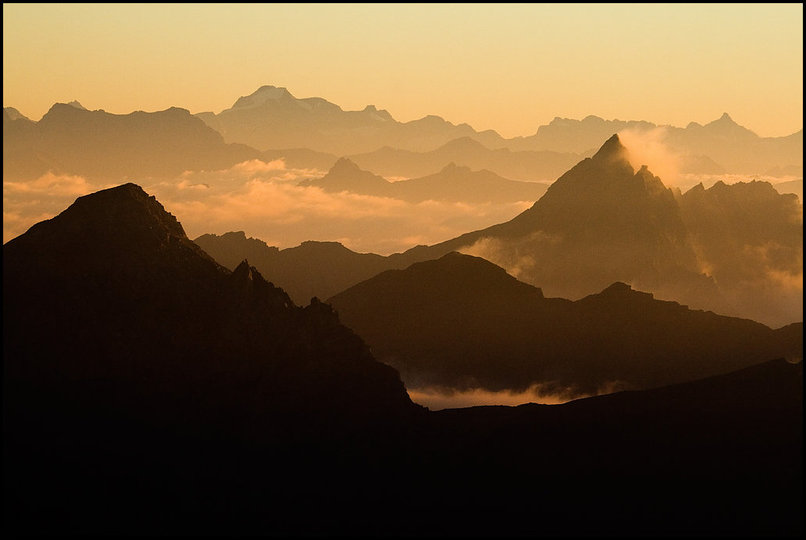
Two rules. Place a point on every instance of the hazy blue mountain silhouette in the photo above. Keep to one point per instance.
(461, 322)
(95, 144)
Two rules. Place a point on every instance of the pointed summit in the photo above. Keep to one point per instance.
(612, 149)
(726, 126)
(345, 175)
(127, 221)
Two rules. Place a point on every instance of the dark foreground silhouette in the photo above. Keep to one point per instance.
(149, 390)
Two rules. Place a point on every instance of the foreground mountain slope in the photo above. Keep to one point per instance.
(121, 294)
(722, 455)
(149, 391)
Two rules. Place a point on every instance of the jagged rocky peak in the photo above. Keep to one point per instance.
(77, 105)
(243, 272)
(725, 119)
(612, 150)
(378, 114)
(129, 201)
(124, 217)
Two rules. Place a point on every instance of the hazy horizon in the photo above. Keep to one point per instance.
(509, 68)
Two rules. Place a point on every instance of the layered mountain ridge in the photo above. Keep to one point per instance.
(146, 388)
(462, 323)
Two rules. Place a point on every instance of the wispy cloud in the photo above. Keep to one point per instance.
(264, 200)
(437, 398)
(27, 203)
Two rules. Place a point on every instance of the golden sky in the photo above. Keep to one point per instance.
(509, 67)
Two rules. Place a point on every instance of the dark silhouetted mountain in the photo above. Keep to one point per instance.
(664, 461)
(529, 166)
(130, 355)
(461, 323)
(452, 183)
(603, 222)
(149, 390)
(111, 296)
(273, 118)
(312, 269)
(95, 144)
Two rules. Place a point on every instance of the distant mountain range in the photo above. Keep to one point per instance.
(148, 389)
(101, 146)
(462, 323)
(273, 118)
(721, 146)
(313, 133)
(452, 183)
(530, 166)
